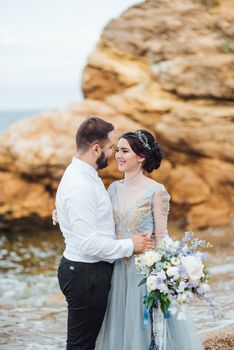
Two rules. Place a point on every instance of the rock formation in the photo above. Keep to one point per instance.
(33, 155)
(171, 68)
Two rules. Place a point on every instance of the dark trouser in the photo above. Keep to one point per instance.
(86, 287)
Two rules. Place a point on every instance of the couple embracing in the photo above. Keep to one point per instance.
(102, 231)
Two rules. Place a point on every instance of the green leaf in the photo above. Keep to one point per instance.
(142, 282)
(164, 308)
(164, 303)
(151, 298)
(163, 297)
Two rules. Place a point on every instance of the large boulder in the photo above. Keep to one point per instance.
(186, 46)
(171, 68)
(33, 155)
(23, 203)
(41, 146)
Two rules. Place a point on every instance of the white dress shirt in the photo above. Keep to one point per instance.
(85, 217)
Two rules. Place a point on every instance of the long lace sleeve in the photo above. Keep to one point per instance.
(161, 207)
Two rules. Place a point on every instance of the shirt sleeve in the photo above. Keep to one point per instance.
(161, 208)
(81, 206)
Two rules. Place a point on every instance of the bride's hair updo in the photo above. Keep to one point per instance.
(143, 144)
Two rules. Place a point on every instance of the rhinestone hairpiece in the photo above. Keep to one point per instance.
(143, 139)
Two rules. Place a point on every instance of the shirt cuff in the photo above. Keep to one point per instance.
(129, 247)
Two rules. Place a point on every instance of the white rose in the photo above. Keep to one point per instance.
(194, 267)
(151, 283)
(151, 257)
(172, 271)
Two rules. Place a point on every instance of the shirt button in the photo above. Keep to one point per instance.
(71, 267)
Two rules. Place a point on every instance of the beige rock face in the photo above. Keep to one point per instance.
(197, 75)
(187, 187)
(183, 91)
(200, 131)
(43, 145)
(181, 43)
(120, 72)
(163, 65)
(35, 152)
(214, 212)
(21, 199)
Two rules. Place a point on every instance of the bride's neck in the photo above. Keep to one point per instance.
(133, 177)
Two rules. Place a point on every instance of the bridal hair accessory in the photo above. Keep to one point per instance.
(143, 139)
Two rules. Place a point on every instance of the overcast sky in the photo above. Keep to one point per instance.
(44, 45)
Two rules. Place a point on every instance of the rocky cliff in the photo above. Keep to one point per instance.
(163, 65)
(170, 65)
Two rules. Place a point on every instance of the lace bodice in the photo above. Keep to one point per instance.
(140, 210)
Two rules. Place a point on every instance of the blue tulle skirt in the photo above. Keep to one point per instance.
(123, 327)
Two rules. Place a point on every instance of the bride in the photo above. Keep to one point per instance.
(140, 204)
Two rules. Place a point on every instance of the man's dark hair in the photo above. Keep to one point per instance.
(92, 130)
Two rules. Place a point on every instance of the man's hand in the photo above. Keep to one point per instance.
(141, 242)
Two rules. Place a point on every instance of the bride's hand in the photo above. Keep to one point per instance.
(54, 217)
(141, 242)
(150, 244)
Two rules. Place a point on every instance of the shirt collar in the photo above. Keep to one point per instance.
(80, 164)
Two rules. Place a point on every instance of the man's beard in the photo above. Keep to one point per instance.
(102, 161)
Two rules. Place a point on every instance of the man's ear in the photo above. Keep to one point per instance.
(96, 149)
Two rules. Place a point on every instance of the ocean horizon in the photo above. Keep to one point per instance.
(8, 117)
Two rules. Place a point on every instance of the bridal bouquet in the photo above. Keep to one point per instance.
(175, 272)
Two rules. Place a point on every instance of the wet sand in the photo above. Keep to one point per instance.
(222, 339)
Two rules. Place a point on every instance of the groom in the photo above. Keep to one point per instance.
(85, 217)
